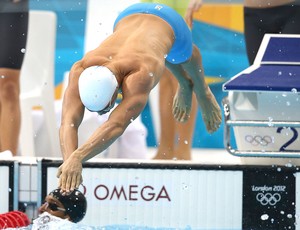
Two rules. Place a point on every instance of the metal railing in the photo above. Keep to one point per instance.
(258, 123)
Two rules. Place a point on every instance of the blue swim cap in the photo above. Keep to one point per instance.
(97, 85)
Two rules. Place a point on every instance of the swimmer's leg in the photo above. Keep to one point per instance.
(190, 76)
(182, 101)
(211, 112)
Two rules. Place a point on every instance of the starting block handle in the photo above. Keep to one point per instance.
(260, 123)
(253, 153)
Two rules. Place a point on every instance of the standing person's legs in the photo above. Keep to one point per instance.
(276, 20)
(185, 134)
(166, 145)
(293, 20)
(253, 32)
(10, 115)
(13, 36)
(175, 137)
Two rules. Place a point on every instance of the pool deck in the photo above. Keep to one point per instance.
(199, 156)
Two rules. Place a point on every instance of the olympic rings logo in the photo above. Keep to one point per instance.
(268, 198)
(258, 140)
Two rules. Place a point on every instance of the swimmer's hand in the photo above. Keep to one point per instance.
(69, 174)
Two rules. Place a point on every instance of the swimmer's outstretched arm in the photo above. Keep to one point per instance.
(72, 114)
(135, 97)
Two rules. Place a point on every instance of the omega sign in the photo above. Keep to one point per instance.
(131, 192)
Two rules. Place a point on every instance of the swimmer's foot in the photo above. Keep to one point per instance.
(182, 104)
(211, 112)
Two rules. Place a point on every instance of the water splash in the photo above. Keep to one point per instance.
(264, 217)
(294, 90)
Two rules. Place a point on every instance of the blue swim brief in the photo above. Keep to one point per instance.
(182, 48)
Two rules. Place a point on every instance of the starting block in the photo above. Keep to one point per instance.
(263, 102)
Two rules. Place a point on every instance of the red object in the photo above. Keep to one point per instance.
(6, 221)
(13, 219)
(24, 217)
(14, 222)
(2, 223)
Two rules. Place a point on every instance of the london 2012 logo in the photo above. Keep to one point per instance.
(268, 195)
(268, 198)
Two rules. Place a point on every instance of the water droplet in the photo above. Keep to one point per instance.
(270, 121)
(264, 217)
(23, 50)
(186, 142)
(72, 125)
(151, 74)
(185, 187)
(278, 169)
(289, 215)
(294, 90)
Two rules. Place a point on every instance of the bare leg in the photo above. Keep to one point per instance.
(166, 146)
(185, 134)
(190, 76)
(10, 115)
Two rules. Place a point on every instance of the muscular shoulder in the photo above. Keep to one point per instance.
(140, 82)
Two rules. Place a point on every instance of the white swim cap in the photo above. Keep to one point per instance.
(97, 85)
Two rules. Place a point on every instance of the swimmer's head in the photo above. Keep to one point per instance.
(98, 89)
(74, 204)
